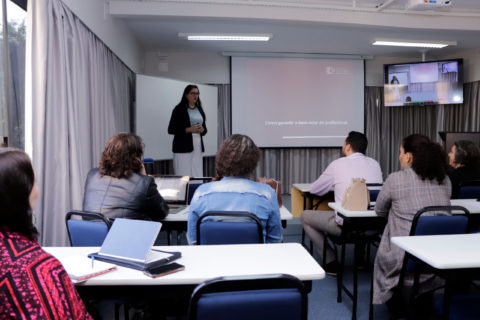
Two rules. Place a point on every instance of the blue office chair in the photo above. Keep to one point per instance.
(448, 223)
(222, 227)
(451, 222)
(88, 231)
(148, 163)
(374, 190)
(469, 190)
(462, 307)
(192, 187)
(279, 297)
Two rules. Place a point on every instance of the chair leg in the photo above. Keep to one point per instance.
(340, 274)
(126, 310)
(355, 279)
(370, 308)
(117, 311)
(324, 250)
(303, 237)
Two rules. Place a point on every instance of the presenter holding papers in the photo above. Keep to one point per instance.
(187, 124)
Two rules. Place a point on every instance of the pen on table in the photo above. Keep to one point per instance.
(93, 260)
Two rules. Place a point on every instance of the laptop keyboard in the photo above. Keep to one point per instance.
(172, 208)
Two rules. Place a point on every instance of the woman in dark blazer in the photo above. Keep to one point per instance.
(187, 124)
(120, 188)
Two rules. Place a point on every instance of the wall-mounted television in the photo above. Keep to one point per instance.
(423, 83)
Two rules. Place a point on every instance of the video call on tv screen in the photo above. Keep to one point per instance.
(424, 83)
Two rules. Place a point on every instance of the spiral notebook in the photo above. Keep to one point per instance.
(129, 244)
(81, 268)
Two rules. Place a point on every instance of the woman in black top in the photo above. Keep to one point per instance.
(120, 188)
(464, 158)
(187, 124)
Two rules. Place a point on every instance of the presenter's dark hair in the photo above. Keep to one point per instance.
(467, 153)
(16, 183)
(358, 141)
(429, 158)
(238, 156)
(122, 156)
(184, 101)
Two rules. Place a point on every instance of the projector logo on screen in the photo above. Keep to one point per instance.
(336, 70)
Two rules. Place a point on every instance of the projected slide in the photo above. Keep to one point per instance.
(291, 102)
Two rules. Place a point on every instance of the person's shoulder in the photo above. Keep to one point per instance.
(93, 172)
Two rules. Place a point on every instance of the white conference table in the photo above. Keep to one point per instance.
(207, 262)
(472, 205)
(454, 257)
(201, 263)
(182, 216)
(457, 251)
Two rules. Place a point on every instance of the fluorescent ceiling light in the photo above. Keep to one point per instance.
(226, 36)
(414, 43)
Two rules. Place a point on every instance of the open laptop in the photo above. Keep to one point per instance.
(129, 243)
(174, 189)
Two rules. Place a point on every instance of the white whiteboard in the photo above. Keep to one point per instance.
(156, 97)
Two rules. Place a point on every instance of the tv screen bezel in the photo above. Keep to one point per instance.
(460, 77)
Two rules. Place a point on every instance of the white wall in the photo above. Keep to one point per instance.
(113, 32)
(196, 67)
(214, 68)
(471, 63)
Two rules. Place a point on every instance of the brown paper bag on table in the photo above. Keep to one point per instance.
(276, 185)
(357, 196)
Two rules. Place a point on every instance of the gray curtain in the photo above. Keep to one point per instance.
(81, 95)
(386, 127)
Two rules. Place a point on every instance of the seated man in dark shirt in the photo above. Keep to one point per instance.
(120, 188)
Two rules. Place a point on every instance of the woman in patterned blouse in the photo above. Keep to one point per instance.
(33, 284)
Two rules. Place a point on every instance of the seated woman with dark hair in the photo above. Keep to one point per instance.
(464, 158)
(34, 283)
(236, 161)
(120, 188)
(422, 182)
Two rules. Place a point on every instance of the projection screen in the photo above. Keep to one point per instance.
(297, 102)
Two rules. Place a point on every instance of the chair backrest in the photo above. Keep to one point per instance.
(469, 190)
(86, 229)
(192, 187)
(453, 223)
(374, 190)
(222, 227)
(279, 297)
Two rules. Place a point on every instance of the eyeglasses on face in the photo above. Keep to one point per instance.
(194, 93)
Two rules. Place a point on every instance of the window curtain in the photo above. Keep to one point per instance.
(78, 96)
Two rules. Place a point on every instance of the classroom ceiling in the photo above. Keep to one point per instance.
(299, 26)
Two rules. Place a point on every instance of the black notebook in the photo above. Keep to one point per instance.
(129, 244)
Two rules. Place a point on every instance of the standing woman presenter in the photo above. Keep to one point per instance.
(187, 124)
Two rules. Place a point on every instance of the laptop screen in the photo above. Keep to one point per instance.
(173, 188)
